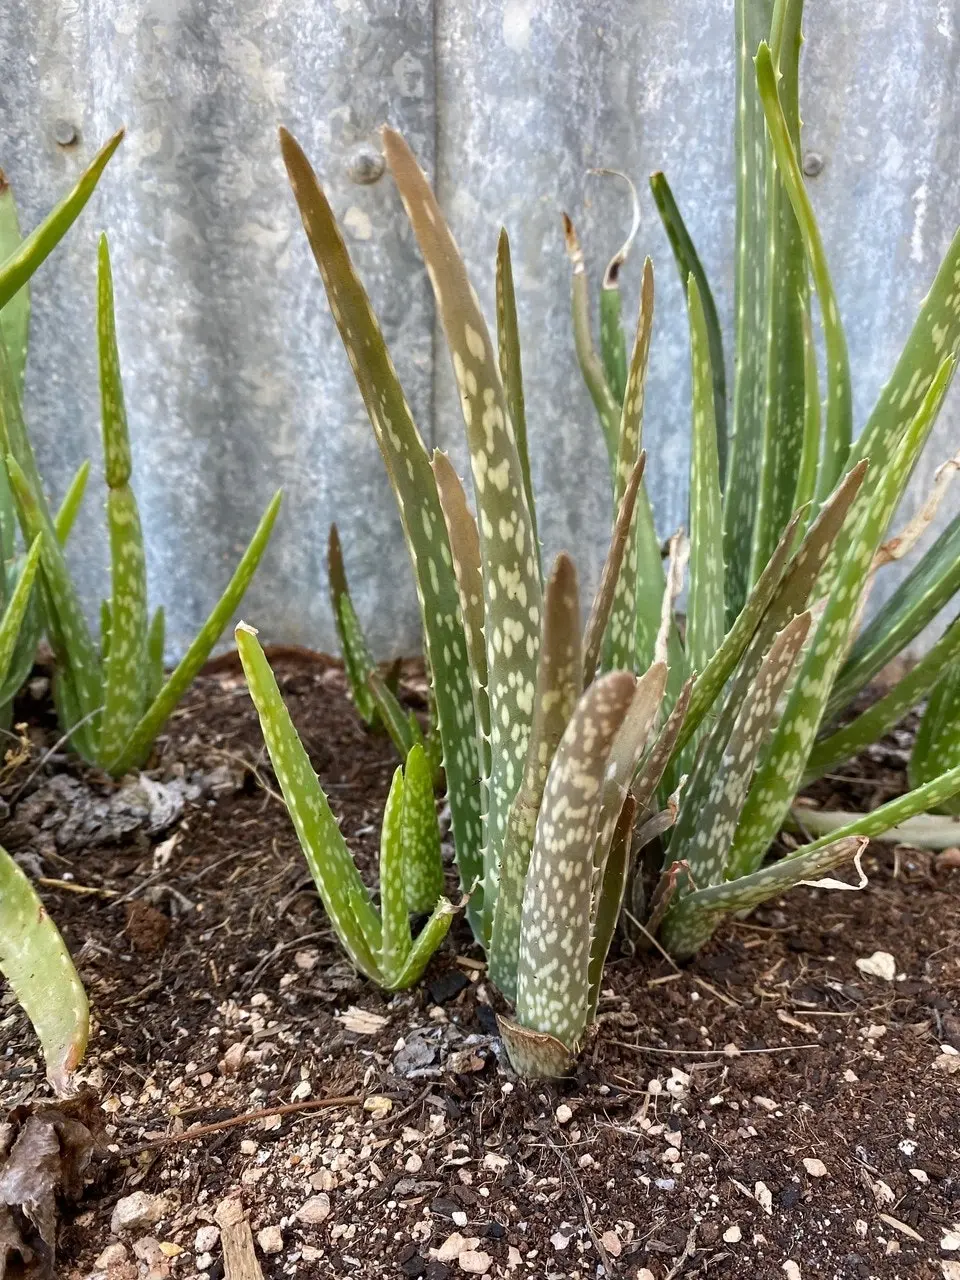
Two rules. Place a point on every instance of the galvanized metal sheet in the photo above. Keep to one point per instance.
(234, 375)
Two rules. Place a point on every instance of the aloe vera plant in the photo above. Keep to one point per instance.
(37, 964)
(112, 700)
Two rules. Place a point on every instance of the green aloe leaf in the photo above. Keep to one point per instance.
(422, 861)
(613, 886)
(705, 604)
(806, 489)
(35, 961)
(692, 919)
(424, 945)
(16, 609)
(753, 20)
(553, 977)
(402, 726)
(782, 770)
(156, 640)
(559, 683)
(70, 507)
(17, 268)
(838, 421)
(613, 570)
(787, 307)
(878, 719)
(357, 661)
(342, 892)
(654, 764)
(408, 468)
(137, 747)
(511, 372)
(613, 345)
(689, 264)
(937, 746)
(933, 581)
(15, 315)
(512, 593)
(125, 665)
(395, 938)
(921, 800)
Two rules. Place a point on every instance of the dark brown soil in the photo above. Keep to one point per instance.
(768, 1105)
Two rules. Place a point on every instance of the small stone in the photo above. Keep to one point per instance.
(612, 1243)
(453, 1246)
(495, 1163)
(414, 1266)
(305, 960)
(764, 1197)
(207, 1238)
(920, 1175)
(564, 1114)
(378, 1106)
(301, 1091)
(815, 1168)
(560, 1240)
(148, 1250)
(733, 1234)
(323, 1181)
(447, 986)
(475, 1262)
(112, 1256)
(880, 965)
(232, 1060)
(950, 1240)
(514, 1257)
(270, 1239)
(248, 1147)
(315, 1210)
(170, 1249)
(951, 1270)
(413, 1163)
(137, 1211)
(791, 1269)
(204, 1261)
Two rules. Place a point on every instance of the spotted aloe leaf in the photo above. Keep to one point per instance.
(35, 961)
(512, 594)
(838, 419)
(872, 724)
(689, 264)
(559, 683)
(613, 344)
(705, 606)
(408, 468)
(891, 816)
(357, 662)
(342, 892)
(15, 611)
(612, 889)
(156, 638)
(553, 979)
(395, 936)
(125, 666)
(612, 575)
(933, 581)
(786, 312)
(511, 372)
(402, 726)
(15, 315)
(692, 918)
(785, 761)
(422, 862)
(937, 747)
(17, 268)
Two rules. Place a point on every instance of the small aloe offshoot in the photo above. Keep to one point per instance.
(411, 873)
(37, 964)
(112, 700)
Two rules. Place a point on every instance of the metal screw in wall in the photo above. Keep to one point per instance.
(365, 164)
(812, 164)
(65, 133)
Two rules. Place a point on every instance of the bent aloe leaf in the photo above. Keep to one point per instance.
(937, 746)
(357, 662)
(35, 961)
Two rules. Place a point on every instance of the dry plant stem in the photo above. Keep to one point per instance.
(248, 1117)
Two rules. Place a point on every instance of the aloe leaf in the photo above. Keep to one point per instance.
(786, 312)
(705, 604)
(553, 976)
(137, 747)
(125, 666)
(511, 372)
(613, 346)
(781, 772)
(838, 420)
(402, 727)
(66, 516)
(689, 264)
(37, 964)
(395, 938)
(16, 609)
(921, 800)
(357, 662)
(886, 712)
(17, 268)
(752, 19)
(342, 892)
(424, 946)
(721, 778)
(693, 918)
(591, 365)
(937, 745)
(654, 764)
(921, 595)
(513, 597)
(156, 639)
(73, 647)
(613, 887)
(422, 862)
(810, 448)
(15, 315)
(610, 577)
(408, 468)
(559, 682)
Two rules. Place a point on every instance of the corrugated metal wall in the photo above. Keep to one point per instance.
(234, 375)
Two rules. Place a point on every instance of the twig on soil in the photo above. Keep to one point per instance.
(688, 1250)
(71, 887)
(587, 1216)
(248, 1117)
(726, 1052)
